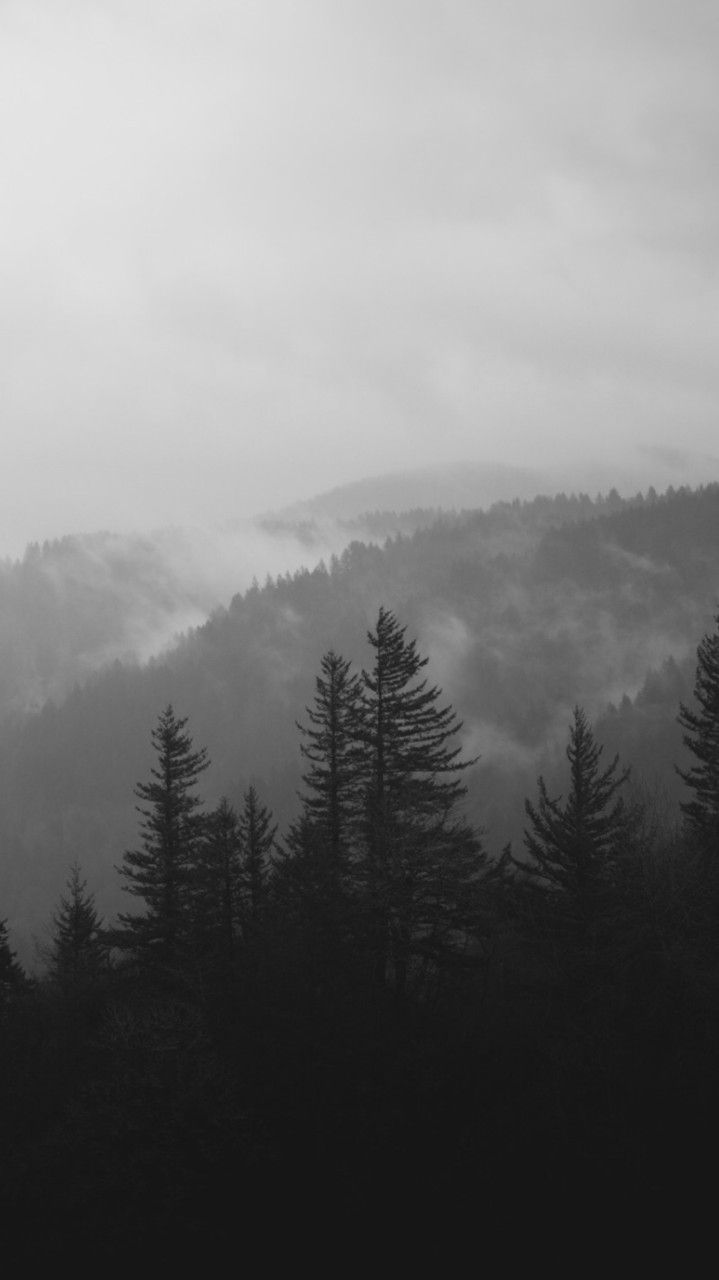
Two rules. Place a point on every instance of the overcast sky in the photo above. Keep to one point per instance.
(250, 250)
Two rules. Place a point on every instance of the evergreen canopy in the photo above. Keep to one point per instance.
(78, 951)
(702, 739)
(160, 872)
(421, 860)
(576, 846)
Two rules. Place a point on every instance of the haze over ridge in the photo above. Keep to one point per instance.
(252, 252)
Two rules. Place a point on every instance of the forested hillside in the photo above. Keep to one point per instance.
(524, 611)
(285, 950)
(73, 605)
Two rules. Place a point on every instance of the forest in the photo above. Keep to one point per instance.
(391, 888)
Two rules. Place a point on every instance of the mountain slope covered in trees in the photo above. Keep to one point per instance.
(524, 611)
(73, 605)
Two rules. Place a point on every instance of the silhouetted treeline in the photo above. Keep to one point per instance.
(363, 1010)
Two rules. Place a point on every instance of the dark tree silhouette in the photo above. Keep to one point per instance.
(78, 952)
(216, 884)
(331, 746)
(421, 862)
(701, 725)
(12, 976)
(583, 850)
(256, 832)
(312, 880)
(161, 871)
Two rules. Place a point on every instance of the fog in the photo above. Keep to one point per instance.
(70, 607)
(251, 252)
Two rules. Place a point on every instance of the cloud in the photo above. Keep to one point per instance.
(251, 251)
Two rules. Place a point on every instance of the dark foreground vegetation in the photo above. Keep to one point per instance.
(367, 1020)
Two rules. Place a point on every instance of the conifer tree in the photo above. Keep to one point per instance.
(311, 878)
(12, 977)
(216, 883)
(702, 739)
(161, 871)
(256, 833)
(583, 850)
(78, 953)
(332, 748)
(422, 861)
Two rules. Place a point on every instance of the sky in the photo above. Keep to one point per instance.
(253, 250)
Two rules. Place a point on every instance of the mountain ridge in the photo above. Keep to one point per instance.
(523, 611)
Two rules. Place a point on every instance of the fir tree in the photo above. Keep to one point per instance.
(78, 953)
(702, 739)
(332, 748)
(12, 977)
(161, 871)
(216, 884)
(312, 880)
(583, 851)
(256, 833)
(422, 861)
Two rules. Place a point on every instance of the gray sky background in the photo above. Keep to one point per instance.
(249, 250)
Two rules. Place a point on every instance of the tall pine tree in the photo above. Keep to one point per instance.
(12, 976)
(215, 883)
(331, 746)
(160, 872)
(256, 832)
(583, 867)
(78, 953)
(422, 862)
(701, 737)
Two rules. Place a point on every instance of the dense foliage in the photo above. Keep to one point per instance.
(701, 723)
(371, 1008)
(338, 988)
(161, 872)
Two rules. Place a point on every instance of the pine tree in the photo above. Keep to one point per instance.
(161, 871)
(582, 849)
(312, 876)
(702, 739)
(331, 745)
(421, 862)
(12, 977)
(216, 884)
(78, 953)
(256, 832)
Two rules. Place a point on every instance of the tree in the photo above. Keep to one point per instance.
(256, 833)
(12, 977)
(77, 953)
(230, 877)
(312, 877)
(161, 871)
(331, 745)
(216, 884)
(581, 850)
(421, 862)
(702, 739)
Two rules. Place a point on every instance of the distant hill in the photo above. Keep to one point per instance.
(73, 605)
(466, 486)
(76, 604)
(456, 487)
(524, 610)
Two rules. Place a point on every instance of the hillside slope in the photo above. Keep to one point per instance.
(524, 611)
